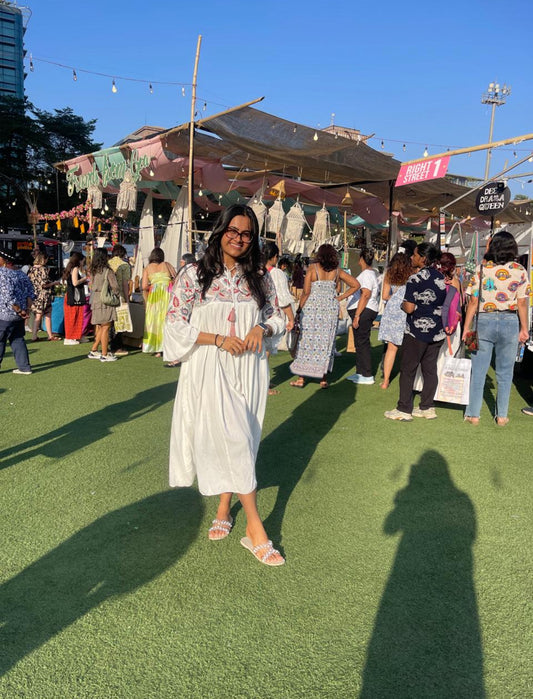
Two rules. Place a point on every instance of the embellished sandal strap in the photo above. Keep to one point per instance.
(221, 525)
(270, 550)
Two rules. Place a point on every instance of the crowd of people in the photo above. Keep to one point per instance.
(221, 316)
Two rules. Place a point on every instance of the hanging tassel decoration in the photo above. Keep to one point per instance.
(46, 227)
(58, 224)
(127, 195)
(82, 228)
(94, 196)
(99, 228)
(76, 222)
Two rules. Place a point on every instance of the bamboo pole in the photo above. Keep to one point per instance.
(191, 140)
(472, 149)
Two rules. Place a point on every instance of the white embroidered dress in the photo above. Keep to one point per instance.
(220, 401)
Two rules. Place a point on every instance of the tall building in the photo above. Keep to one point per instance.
(13, 21)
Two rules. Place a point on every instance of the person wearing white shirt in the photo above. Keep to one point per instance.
(363, 308)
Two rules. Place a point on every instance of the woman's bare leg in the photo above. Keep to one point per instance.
(388, 363)
(48, 325)
(97, 333)
(36, 325)
(223, 511)
(255, 530)
(104, 337)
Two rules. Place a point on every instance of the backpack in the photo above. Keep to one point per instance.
(451, 310)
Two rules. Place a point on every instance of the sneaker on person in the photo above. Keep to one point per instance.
(121, 353)
(398, 415)
(21, 372)
(94, 355)
(527, 411)
(428, 413)
(358, 378)
(71, 342)
(108, 358)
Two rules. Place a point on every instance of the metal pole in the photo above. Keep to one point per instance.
(489, 151)
(191, 141)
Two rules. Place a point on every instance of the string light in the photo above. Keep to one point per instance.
(32, 68)
(200, 193)
(205, 106)
(382, 145)
(151, 172)
(426, 153)
(183, 92)
(151, 89)
(113, 86)
(74, 75)
(315, 137)
(404, 148)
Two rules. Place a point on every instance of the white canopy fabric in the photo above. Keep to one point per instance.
(176, 240)
(146, 238)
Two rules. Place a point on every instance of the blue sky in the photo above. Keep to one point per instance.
(408, 72)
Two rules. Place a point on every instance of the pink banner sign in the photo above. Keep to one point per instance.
(422, 171)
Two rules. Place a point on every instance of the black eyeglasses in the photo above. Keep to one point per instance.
(245, 236)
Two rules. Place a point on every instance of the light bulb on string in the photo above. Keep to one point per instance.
(151, 172)
(32, 68)
(404, 148)
(200, 193)
(315, 137)
(205, 106)
(74, 75)
(151, 89)
(294, 128)
(102, 212)
(426, 153)
(183, 92)
(382, 145)
(114, 86)
(106, 207)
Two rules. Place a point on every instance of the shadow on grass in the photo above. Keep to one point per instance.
(114, 555)
(89, 428)
(285, 453)
(426, 640)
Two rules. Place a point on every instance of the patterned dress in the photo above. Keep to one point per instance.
(221, 399)
(39, 276)
(156, 311)
(314, 356)
(392, 324)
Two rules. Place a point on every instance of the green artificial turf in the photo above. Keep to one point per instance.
(408, 545)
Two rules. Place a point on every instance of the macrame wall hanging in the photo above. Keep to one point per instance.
(94, 195)
(259, 209)
(275, 217)
(321, 228)
(127, 194)
(293, 227)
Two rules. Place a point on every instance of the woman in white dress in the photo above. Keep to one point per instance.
(220, 311)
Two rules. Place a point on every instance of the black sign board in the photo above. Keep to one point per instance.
(493, 198)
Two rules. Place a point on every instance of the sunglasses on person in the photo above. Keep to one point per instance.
(234, 233)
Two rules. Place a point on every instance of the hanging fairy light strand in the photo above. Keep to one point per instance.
(426, 146)
(115, 79)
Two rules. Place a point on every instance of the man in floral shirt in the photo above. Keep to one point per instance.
(16, 295)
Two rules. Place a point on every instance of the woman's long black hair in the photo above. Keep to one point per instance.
(429, 252)
(99, 262)
(75, 261)
(211, 264)
(502, 248)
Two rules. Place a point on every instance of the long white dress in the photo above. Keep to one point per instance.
(220, 401)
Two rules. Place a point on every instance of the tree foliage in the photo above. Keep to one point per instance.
(31, 141)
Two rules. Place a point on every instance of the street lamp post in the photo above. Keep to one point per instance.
(496, 95)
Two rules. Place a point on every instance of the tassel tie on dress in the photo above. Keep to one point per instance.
(232, 317)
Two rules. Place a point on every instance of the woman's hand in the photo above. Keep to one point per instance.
(355, 322)
(233, 345)
(253, 342)
(290, 325)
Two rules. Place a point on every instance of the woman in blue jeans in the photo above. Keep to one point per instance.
(502, 322)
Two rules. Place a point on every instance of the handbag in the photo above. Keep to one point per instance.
(123, 322)
(107, 295)
(293, 336)
(75, 294)
(471, 337)
(454, 379)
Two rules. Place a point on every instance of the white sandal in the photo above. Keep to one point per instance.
(262, 552)
(220, 525)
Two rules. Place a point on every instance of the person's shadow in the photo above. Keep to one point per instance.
(426, 640)
(88, 428)
(114, 555)
(285, 453)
